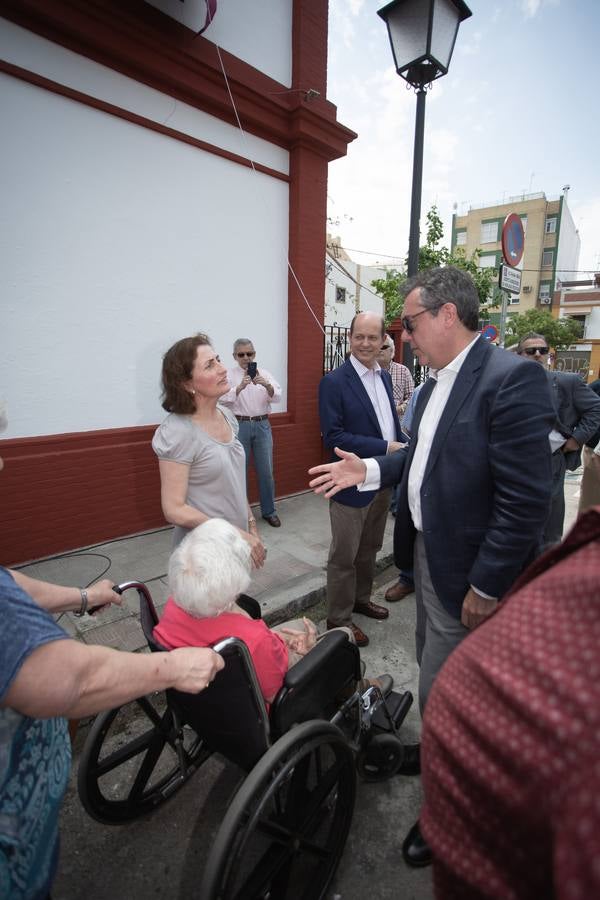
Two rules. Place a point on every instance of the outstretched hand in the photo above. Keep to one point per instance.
(336, 476)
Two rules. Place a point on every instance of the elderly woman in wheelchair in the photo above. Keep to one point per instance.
(207, 573)
(285, 829)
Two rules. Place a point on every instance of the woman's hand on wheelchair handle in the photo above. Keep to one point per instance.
(194, 668)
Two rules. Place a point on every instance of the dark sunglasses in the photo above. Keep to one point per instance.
(246, 353)
(531, 351)
(387, 347)
(407, 321)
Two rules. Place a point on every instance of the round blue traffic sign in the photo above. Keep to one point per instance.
(513, 239)
(489, 333)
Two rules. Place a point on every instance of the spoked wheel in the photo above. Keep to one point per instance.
(134, 759)
(381, 758)
(286, 829)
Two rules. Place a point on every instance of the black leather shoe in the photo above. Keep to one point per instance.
(415, 850)
(411, 763)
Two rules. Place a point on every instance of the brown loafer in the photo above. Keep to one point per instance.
(372, 610)
(273, 520)
(360, 638)
(398, 591)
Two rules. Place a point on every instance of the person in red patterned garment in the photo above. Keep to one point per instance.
(511, 739)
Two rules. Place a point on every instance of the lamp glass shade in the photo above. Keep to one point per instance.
(423, 33)
(446, 20)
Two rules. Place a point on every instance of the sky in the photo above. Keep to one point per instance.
(516, 113)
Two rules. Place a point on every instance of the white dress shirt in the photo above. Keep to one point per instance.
(379, 397)
(438, 399)
(444, 379)
(254, 400)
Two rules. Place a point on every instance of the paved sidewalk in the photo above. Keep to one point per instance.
(162, 855)
(292, 579)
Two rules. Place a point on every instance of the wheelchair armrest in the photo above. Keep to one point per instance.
(305, 669)
(312, 687)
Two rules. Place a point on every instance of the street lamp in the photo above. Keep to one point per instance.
(422, 34)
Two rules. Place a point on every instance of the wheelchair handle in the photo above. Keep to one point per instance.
(120, 589)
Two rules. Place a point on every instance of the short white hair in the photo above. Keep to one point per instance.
(209, 569)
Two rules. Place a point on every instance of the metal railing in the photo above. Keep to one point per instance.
(337, 345)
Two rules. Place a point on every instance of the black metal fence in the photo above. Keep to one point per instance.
(337, 344)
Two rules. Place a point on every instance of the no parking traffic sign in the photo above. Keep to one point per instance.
(513, 240)
(489, 333)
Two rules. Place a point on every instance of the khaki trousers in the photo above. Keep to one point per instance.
(356, 538)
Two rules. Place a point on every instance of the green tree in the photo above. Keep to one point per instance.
(430, 256)
(558, 332)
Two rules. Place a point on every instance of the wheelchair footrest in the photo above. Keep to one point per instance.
(398, 706)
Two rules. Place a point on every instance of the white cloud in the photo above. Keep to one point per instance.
(531, 7)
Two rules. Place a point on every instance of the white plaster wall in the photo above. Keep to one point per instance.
(259, 32)
(342, 313)
(36, 54)
(569, 246)
(592, 324)
(116, 241)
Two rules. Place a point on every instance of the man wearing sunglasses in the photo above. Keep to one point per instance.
(577, 410)
(474, 480)
(251, 395)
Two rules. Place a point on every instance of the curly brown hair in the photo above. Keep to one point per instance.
(178, 363)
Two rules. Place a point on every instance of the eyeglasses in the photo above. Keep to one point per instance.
(249, 353)
(531, 351)
(387, 347)
(407, 321)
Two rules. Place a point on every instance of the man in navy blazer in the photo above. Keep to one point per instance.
(357, 412)
(577, 410)
(475, 480)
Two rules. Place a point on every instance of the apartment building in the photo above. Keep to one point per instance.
(552, 243)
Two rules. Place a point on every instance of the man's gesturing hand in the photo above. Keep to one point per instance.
(334, 477)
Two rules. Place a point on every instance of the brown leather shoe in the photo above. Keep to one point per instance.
(273, 520)
(372, 610)
(398, 591)
(360, 637)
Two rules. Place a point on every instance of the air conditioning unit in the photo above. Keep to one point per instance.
(545, 301)
(527, 289)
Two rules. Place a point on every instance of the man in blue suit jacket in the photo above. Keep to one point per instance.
(357, 412)
(475, 480)
(577, 410)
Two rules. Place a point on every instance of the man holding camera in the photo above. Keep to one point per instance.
(251, 393)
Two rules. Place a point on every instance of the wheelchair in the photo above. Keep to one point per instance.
(285, 830)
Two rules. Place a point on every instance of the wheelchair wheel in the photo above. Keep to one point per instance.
(286, 829)
(134, 759)
(381, 758)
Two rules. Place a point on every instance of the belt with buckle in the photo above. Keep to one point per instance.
(251, 418)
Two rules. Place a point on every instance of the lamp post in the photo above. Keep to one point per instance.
(422, 35)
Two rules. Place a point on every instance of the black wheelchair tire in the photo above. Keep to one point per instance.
(381, 758)
(298, 800)
(140, 794)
